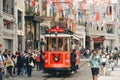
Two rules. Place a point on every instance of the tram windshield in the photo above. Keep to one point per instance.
(57, 44)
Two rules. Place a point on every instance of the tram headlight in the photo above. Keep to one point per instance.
(56, 58)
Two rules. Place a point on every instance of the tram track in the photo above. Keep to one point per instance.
(65, 77)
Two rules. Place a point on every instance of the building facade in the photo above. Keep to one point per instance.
(102, 26)
(12, 25)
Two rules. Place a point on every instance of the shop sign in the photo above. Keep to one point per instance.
(8, 34)
(110, 36)
(99, 39)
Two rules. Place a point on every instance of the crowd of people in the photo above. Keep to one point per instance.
(102, 61)
(23, 62)
(20, 63)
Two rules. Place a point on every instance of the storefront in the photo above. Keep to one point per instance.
(110, 42)
(98, 42)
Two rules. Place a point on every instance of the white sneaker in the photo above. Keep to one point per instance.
(72, 72)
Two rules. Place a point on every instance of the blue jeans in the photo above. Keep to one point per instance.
(1, 74)
(24, 69)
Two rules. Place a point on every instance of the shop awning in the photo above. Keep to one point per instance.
(99, 39)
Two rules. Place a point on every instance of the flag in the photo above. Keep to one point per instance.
(73, 11)
(94, 13)
(83, 6)
(69, 2)
(80, 14)
(33, 3)
(95, 2)
(97, 16)
(58, 5)
(67, 11)
(48, 2)
(107, 1)
(53, 9)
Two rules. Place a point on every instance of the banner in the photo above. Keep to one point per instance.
(97, 16)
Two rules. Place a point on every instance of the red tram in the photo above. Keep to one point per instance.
(58, 48)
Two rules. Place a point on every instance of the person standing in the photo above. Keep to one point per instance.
(41, 60)
(37, 59)
(29, 60)
(95, 62)
(18, 64)
(73, 60)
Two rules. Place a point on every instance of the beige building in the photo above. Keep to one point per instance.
(103, 32)
(11, 24)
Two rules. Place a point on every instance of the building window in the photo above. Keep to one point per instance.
(19, 20)
(97, 28)
(8, 6)
(102, 28)
(8, 44)
(109, 10)
(8, 24)
(109, 28)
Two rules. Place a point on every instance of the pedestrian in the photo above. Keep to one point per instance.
(41, 60)
(19, 63)
(95, 62)
(1, 65)
(104, 63)
(73, 60)
(29, 64)
(37, 61)
(9, 64)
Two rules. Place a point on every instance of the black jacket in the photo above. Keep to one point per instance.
(73, 57)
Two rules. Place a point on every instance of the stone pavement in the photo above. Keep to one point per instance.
(113, 75)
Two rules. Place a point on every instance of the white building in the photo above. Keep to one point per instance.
(10, 23)
(103, 33)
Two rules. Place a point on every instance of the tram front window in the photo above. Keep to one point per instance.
(60, 43)
(53, 43)
(57, 44)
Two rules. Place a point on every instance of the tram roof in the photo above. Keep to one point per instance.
(59, 29)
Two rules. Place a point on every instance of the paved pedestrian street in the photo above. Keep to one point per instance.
(113, 75)
(84, 73)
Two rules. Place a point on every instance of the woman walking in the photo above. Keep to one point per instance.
(9, 64)
(29, 64)
(95, 62)
(104, 62)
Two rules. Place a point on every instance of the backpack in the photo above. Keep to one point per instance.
(9, 60)
(37, 58)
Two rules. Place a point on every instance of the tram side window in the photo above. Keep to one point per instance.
(65, 44)
(60, 43)
(53, 43)
(47, 44)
